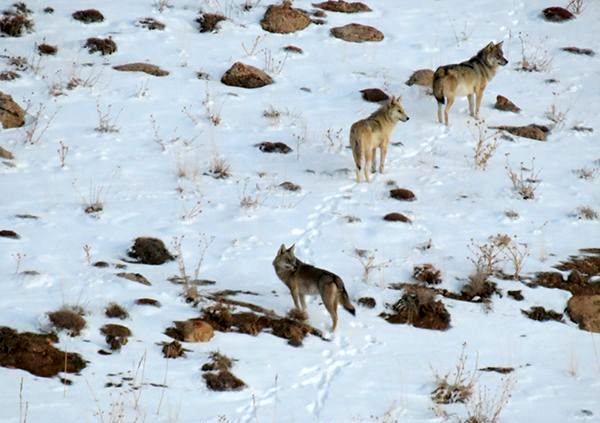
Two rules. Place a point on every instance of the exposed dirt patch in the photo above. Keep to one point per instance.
(367, 302)
(396, 217)
(245, 76)
(11, 114)
(582, 269)
(357, 33)
(516, 295)
(115, 311)
(274, 147)
(557, 14)
(585, 310)
(374, 95)
(284, 19)
(148, 301)
(192, 330)
(581, 51)
(501, 370)
(103, 45)
(418, 307)
(402, 194)
(532, 131)
(427, 273)
(7, 233)
(504, 104)
(5, 154)
(47, 49)
(151, 24)
(586, 265)
(290, 186)
(542, 315)
(343, 6)
(421, 77)
(69, 319)
(209, 22)
(134, 277)
(149, 250)
(15, 25)
(35, 354)
(88, 16)
(142, 67)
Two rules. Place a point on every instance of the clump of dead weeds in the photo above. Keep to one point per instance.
(103, 45)
(116, 335)
(418, 307)
(456, 386)
(15, 23)
(173, 349)
(88, 16)
(209, 22)
(149, 250)
(427, 273)
(478, 288)
(69, 319)
(218, 376)
(542, 315)
(114, 310)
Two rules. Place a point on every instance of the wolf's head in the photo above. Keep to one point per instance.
(395, 110)
(285, 259)
(493, 55)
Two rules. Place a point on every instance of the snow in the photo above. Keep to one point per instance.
(371, 370)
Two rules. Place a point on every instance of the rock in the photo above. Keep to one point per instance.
(402, 194)
(274, 147)
(293, 49)
(343, 6)
(11, 114)
(151, 24)
(195, 330)
(557, 14)
(142, 67)
(422, 77)
(209, 22)
(134, 277)
(150, 251)
(577, 50)
(47, 49)
(585, 311)
(88, 16)
(5, 154)
(516, 294)
(284, 19)
(504, 104)
(148, 301)
(396, 217)
(374, 95)
(532, 131)
(9, 234)
(290, 186)
(357, 33)
(245, 76)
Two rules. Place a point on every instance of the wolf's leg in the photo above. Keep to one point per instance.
(440, 120)
(449, 103)
(374, 159)
(330, 299)
(479, 97)
(368, 161)
(471, 98)
(302, 301)
(296, 298)
(382, 154)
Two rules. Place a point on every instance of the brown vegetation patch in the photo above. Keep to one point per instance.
(223, 380)
(134, 277)
(427, 273)
(504, 104)
(173, 350)
(11, 114)
(9, 75)
(374, 95)
(245, 76)
(582, 269)
(151, 24)
(15, 25)
(142, 67)
(532, 131)
(585, 311)
(293, 49)
(343, 6)
(402, 194)
(88, 16)
(69, 319)
(115, 311)
(367, 302)
(290, 186)
(47, 49)
(557, 14)
(284, 19)
(581, 51)
(7, 233)
(516, 295)
(418, 307)
(192, 330)
(35, 354)
(421, 77)
(588, 265)
(103, 45)
(478, 288)
(149, 250)
(273, 147)
(357, 33)
(147, 301)
(297, 314)
(542, 315)
(501, 370)
(396, 217)
(209, 22)
(115, 335)
(5, 154)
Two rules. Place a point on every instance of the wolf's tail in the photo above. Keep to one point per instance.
(438, 85)
(356, 151)
(344, 299)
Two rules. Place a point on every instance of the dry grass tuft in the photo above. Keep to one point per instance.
(586, 213)
(456, 386)
(114, 310)
(525, 182)
(68, 318)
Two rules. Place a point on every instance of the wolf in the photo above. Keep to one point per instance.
(468, 79)
(366, 135)
(303, 279)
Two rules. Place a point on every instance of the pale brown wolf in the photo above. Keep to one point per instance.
(422, 77)
(468, 79)
(303, 279)
(371, 133)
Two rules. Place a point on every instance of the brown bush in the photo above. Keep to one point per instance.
(103, 45)
(114, 310)
(150, 251)
(223, 380)
(69, 319)
(47, 49)
(542, 315)
(173, 350)
(151, 24)
(15, 25)
(343, 6)
(88, 16)
(427, 273)
(367, 302)
(419, 308)
(209, 22)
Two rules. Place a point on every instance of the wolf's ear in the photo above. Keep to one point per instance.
(281, 249)
(490, 46)
(291, 249)
(500, 44)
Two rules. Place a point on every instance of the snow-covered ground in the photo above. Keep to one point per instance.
(371, 370)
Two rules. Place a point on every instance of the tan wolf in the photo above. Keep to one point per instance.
(303, 279)
(468, 79)
(371, 133)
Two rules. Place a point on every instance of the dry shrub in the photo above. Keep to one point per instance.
(366, 259)
(150, 251)
(151, 24)
(485, 408)
(114, 310)
(209, 22)
(456, 386)
(586, 173)
(485, 146)
(15, 25)
(9, 76)
(103, 45)
(479, 286)
(47, 49)
(367, 302)
(525, 182)
(219, 168)
(218, 376)
(499, 249)
(586, 213)
(218, 361)
(115, 335)
(575, 6)
(542, 315)
(419, 308)
(68, 318)
(533, 60)
(427, 273)
(88, 16)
